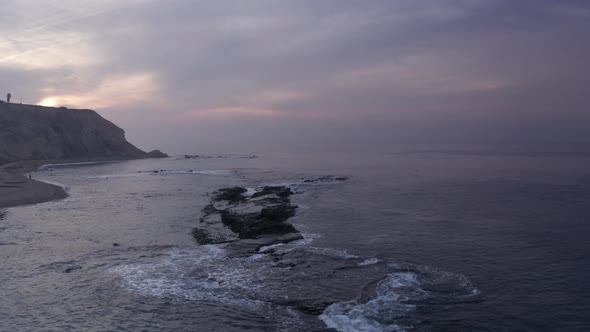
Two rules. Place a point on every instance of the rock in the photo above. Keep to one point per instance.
(314, 307)
(72, 269)
(327, 179)
(280, 191)
(204, 237)
(232, 216)
(232, 195)
(278, 213)
(156, 154)
(197, 156)
(267, 221)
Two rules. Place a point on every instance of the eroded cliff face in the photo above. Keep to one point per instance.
(29, 132)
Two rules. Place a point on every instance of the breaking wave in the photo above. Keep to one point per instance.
(85, 163)
(397, 297)
(160, 172)
(256, 283)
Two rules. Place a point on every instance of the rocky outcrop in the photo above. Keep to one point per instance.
(156, 154)
(29, 132)
(252, 219)
(260, 217)
(212, 156)
(252, 224)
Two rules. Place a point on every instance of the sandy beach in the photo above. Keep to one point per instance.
(17, 189)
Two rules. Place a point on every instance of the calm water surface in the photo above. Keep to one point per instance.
(476, 239)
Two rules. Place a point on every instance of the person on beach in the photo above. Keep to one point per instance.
(8, 96)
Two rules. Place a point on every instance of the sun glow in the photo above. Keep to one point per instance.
(120, 91)
(49, 102)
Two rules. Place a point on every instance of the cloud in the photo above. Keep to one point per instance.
(121, 92)
(229, 112)
(424, 66)
(46, 36)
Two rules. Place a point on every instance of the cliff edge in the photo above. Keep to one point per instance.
(30, 132)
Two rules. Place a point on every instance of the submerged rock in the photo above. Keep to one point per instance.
(327, 179)
(312, 306)
(201, 156)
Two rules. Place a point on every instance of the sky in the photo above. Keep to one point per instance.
(187, 76)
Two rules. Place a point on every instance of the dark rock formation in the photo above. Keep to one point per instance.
(281, 191)
(232, 195)
(262, 216)
(327, 179)
(29, 132)
(156, 154)
(208, 156)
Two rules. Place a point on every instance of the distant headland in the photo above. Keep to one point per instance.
(31, 132)
(31, 135)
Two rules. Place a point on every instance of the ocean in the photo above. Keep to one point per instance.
(417, 238)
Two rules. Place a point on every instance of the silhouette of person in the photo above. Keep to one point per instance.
(8, 96)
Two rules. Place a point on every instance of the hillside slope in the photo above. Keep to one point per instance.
(29, 132)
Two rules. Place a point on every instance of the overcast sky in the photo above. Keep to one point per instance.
(190, 76)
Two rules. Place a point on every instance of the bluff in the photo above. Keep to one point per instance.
(30, 132)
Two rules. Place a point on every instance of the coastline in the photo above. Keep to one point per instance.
(16, 189)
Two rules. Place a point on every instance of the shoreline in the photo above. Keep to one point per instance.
(17, 190)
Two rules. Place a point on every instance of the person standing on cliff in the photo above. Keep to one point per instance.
(8, 96)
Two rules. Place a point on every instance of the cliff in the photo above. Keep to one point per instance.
(29, 132)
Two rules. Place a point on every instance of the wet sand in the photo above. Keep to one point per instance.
(17, 189)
